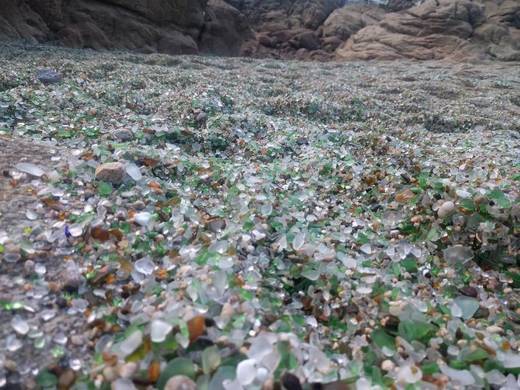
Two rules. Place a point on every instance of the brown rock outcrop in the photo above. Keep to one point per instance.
(304, 29)
(345, 21)
(501, 31)
(299, 29)
(224, 31)
(439, 29)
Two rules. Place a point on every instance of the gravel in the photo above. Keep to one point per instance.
(265, 223)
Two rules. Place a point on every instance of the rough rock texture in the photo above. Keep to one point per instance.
(18, 20)
(501, 31)
(400, 5)
(287, 14)
(299, 29)
(438, 29)
(110, 172)
(288, 28)
(345, 21)
(225, 29)
(167, 26)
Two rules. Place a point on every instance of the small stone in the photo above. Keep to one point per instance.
(364, 290)
(133, 171)
(349, 262)
(40, 269)
(260, 347)
(216, 225)
(138, 205)
(298, 241)
(246, 372)
(71, 276)
(159, 330)
(457, 253)
(144, 266)
(409, 374)
(109, 373)
(446, 209)
(211, 359)
(76, 230)
(269, 384)
(366, 249)
(10, 364)
(480, 199)
(31, 215)
(469, 291)
(30, 169)
(123, 384)
(180, 382)
(75, 364)
(28, 266)
(20, 325)
(352, 309)
(462, 377)
(266, 209)
(111, 172)
(363, 384)
(482, 312)
(48, 76)
(143, 218)
(77, 340)
(48, 314)
(387, 365)
(201, 118)
(127, 370)
(12, 343)
(494, 329)
(510, 359)
(60, 339)
(12, 253)
(464, 307)
(495, 377)
(66, 379)
(291, 381)
(131, 343)
(405, 196)
(123, 135)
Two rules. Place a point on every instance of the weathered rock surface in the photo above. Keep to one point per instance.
(225, 29)
(299, 29)
(288, 28)
(48, 76)
(110, 172)
(345, 21)
(167, 26)
(439, 29)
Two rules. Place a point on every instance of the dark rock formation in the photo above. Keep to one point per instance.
(225, 29)
(288, 28)
(167, 26)
(345, 21)
(18, 20)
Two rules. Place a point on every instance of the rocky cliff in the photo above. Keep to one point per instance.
(438, 29)
(300, 29)
(308, 28)
(167, 26)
